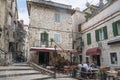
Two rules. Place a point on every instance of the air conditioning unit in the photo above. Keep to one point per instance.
(100, 45)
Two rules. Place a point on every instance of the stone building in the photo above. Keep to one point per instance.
(8, 16)
(77, 19)
(26, 28)
(50, 25)
(101, 36)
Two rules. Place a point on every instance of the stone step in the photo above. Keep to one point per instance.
(18, 73)
(20, 64)
(26, 77)
(14, 67)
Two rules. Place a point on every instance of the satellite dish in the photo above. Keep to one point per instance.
(87, 4)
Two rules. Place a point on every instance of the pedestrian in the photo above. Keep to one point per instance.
(93, 65)
(79, 68)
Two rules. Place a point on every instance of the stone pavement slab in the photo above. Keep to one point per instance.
(61, 79)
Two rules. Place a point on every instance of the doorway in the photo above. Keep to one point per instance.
(44, 58)
(96, 59)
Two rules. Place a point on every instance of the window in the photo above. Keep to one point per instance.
(57, 37)
(9, 20)
(79, 28)
(88, 38)
(80, 58)
(44, 38)
(116, 28)
(57, 17)
(101, 34)
(113, 57)
(87, 59)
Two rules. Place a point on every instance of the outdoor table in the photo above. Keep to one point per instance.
(111, 74)
(95, 72)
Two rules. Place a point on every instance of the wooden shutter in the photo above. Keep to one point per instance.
(115, 30)
(105, 32)
(97, 35)
(42, 36)
(88, 38)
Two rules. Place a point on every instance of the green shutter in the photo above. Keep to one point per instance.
(88, 38)
(115, 30)
(97, 35)
(42, 36)
(105, 32)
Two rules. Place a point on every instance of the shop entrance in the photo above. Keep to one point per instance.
(96, 59)
(44, 58)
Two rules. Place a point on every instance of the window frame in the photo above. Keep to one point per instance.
(44, 38)
(58, 41)
(88, 38)
(101, 34)
(57, 17)
(115, 61)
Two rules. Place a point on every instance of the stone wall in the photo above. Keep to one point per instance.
(104, 18)
(43, 18)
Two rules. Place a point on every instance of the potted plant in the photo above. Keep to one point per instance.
(51, 41)
(103, 73)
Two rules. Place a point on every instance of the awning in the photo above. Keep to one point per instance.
(53, 50)
(113, 41)
(93, 51)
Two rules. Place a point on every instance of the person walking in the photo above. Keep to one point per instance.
(79, 68)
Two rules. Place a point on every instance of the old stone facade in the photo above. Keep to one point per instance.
(77, 19)
(8, 16)
(52, 19)
(99, 32)
(26, 50)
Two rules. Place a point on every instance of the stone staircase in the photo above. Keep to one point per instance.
(21, 71)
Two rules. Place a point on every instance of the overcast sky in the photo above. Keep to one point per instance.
(23, 14)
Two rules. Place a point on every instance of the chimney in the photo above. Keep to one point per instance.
(101, 3)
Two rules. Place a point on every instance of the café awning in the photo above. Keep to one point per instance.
(53, 50)
(93, 51)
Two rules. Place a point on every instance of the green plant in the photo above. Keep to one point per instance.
(87, 15)
(51, 41)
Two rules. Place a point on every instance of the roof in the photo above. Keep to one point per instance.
(53, 4)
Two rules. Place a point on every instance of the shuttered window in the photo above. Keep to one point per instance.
(57, 37)
(44, 39)
(57, 17)
(101, 34)
(97, 35)
(105, 32)
(88, 38)
(115, 29)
